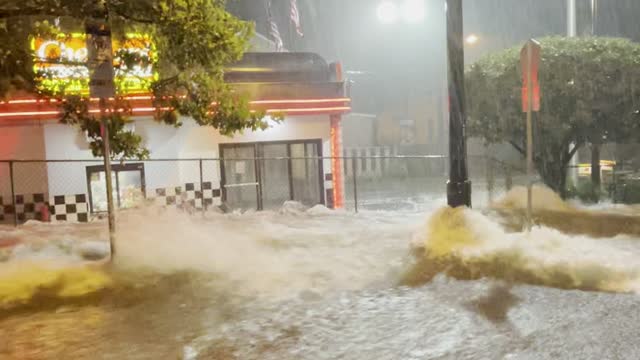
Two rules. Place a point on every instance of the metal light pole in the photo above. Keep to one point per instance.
(101, 85)
(458, 186)
(572, 25)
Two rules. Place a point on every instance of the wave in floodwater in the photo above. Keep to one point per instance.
(28, 283)
(297, 252)
(275, 255)
(467, 244)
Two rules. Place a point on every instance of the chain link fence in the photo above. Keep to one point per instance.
(75, 190)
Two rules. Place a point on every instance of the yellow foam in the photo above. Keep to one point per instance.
(447, 232)
(21, 284)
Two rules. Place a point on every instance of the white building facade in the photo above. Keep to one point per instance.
(47, 170)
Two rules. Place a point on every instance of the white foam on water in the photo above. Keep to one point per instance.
(271, 253)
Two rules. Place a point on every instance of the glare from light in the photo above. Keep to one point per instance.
(472, 39)
(387, 12)
(413, 11)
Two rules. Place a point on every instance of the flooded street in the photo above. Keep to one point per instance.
(318, 284)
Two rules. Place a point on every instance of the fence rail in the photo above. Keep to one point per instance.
(73, 190)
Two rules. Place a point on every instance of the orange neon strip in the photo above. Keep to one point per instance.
(92, 111)
(308, 110)
(149, 97)
(152, 109)
(336, 162)
(30, 113)
(306, 101)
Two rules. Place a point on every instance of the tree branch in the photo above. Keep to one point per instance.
(133, 18)
(124, 10)
(10, 13)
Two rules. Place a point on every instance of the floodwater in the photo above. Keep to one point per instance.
(425, 283)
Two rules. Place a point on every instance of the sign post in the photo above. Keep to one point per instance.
(102, 86)
(530, 60)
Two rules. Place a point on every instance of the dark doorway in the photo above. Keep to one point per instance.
(128, 186)
(264, 175)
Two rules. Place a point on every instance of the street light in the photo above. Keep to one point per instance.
(388, 12)
(472, 39)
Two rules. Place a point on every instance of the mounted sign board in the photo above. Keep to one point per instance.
(100, 60)
(531, 52)
(60, 63)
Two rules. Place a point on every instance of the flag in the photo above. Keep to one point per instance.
(295, 17)
(273, 29)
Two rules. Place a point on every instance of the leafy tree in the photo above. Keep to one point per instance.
(588, 90)
(195, 40)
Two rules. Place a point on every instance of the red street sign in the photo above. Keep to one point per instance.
(534, 67)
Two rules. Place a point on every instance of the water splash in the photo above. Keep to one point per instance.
(28, 283)
(466, 244)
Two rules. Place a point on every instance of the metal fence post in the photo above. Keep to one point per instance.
(355, 183)
(508, 181)
(13, 194)
(204, 206)
(490, 179)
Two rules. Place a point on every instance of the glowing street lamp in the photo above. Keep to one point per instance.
(472, 39)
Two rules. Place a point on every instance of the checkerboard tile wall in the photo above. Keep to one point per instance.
(30, 206)
(73, 208)
(191, 198)
(6, 210)
(171, 196)
(27, 207)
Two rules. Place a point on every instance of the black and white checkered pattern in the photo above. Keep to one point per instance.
(6, 210)
(171, 196)
(27, 207)
(192, 198)
(30, 206)
(73, 208)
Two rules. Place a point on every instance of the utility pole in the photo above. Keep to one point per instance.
(572, 25)
(102, 86)
(572, 29)
(458, 186)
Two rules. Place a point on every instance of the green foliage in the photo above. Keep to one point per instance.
(585, 191)
(123, 143)
(195, 40)
(588, 94)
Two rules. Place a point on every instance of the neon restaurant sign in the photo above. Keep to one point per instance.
(60, 63)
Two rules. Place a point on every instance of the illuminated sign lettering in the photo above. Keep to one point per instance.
(60, 63)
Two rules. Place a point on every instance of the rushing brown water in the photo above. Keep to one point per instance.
(323, 285)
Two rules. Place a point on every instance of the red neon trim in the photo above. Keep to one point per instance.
(91, 111)
(149, 97)
(152, 109)
(305, 101)
(30, 113)
(308, 110)
(336, 161)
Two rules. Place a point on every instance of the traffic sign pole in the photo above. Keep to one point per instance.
(529, 136)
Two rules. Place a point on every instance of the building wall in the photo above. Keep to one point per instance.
(62, 185)
(22, 142)
(190, 141)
